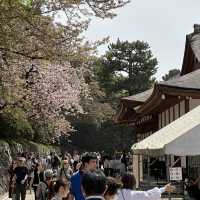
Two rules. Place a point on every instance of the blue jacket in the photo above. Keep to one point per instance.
(76, 186)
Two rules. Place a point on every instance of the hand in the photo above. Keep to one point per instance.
(169, 188)
(22, 182)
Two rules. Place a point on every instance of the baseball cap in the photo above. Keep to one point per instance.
(48, 173)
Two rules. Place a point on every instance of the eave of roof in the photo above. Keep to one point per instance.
(132, 102)
(138, 98)
(157, 100)
(125, 115)
(189, 81)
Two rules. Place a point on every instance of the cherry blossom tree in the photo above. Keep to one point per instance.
(32, 29)
(43, 60)
(47, 92)
(56, 91)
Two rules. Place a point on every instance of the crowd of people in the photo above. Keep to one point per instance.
(77, 177)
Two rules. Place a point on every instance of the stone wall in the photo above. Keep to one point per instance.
(10, 149)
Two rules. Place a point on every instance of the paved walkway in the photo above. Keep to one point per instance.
(28, 196)
(31, 197)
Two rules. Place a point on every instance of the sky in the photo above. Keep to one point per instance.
(163, 24)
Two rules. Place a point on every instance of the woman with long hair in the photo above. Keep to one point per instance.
(61, 190)
(38, 176)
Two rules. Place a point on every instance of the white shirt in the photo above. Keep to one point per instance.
(106, 164)
(56, 197)
(154, 194)
(76, 158)
(95, 197)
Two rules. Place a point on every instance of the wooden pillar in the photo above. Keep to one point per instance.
(141, 167)
(148, 165)
(167, 161)
(174, 117)
(179, 109)
(169, 116)
(187, 105)
(136, 169)
(187, 109)
(165, 118)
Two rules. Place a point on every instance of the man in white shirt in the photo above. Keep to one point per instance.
(127, 192)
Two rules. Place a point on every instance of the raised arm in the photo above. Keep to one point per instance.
(153, 194)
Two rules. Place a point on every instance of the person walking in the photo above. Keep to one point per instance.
(11, 183)
(20, 178)
(45, 188)
(55, 162)
(89, 163)
(65, 172)
(38, 177)
(107, 165)
(124, 160)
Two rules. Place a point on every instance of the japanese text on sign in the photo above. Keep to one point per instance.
(175, 173)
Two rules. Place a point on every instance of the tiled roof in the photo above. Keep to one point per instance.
(188, 81)
(140, 97)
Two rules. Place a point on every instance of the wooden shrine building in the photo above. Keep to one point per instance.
(161, 105)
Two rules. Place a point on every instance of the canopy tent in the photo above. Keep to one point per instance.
(181, 138)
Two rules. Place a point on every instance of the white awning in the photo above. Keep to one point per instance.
(181, 138)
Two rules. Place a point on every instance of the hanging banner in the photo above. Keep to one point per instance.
(175, 174)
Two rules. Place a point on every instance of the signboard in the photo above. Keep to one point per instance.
(175, 174)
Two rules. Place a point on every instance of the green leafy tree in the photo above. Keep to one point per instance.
(14, 123)
(171, 74)
(96, 125)
(108, 137)
(127, 67)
